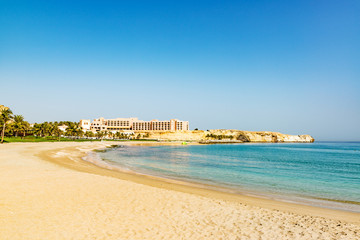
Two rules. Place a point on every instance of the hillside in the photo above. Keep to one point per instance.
(224, 135)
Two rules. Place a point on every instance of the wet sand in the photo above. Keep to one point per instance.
(48, 192)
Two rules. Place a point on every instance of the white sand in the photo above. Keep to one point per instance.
(43, 200)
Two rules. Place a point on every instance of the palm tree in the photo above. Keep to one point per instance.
(46, 128)
(57, 132)
(54, 129)
(89, 134)
(26, 128)
(18, 124)
(106, 133)
(100, 134)
(117, 135)
(70, 131)
(5, 117)
(73, 130)
(79, 132)
(37, 130)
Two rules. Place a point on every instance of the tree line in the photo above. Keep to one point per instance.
(16, 126)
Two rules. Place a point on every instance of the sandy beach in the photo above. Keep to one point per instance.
(48, 192)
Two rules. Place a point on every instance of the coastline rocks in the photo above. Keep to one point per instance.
(226, 135)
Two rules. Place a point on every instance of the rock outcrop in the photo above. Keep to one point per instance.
(225, 135)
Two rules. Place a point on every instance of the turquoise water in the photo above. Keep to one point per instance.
(324, 173)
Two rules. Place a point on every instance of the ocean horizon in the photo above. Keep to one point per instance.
(323, 174)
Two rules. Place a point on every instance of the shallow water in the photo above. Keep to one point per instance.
(323, 174)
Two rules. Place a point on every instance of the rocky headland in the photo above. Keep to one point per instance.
(226, 135)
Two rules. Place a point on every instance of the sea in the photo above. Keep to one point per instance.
(322, 174)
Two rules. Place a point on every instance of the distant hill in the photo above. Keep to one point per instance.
(226, 135)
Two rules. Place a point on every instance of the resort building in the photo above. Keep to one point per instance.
(99, 124)
(132, 124)
(62, 128)
(156, 125)
(120, 124)
(85, 124)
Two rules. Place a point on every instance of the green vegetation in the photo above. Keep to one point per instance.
(219, 137)
(15, 129)
(240, 137)
(5, 116)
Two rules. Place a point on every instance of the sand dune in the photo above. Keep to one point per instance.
(66, 198)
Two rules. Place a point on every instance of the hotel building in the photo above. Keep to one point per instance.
(132, 124)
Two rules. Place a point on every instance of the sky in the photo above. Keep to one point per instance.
(285, 66)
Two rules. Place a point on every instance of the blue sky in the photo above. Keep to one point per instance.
(286, 66)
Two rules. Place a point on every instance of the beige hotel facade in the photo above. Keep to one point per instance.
(132, 124)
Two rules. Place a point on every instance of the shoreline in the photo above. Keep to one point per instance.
(203, 190)
(324, 203)
(49, 192)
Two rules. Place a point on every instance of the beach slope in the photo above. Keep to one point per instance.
(48, 192)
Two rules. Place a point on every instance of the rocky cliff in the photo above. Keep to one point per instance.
(224, 135)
